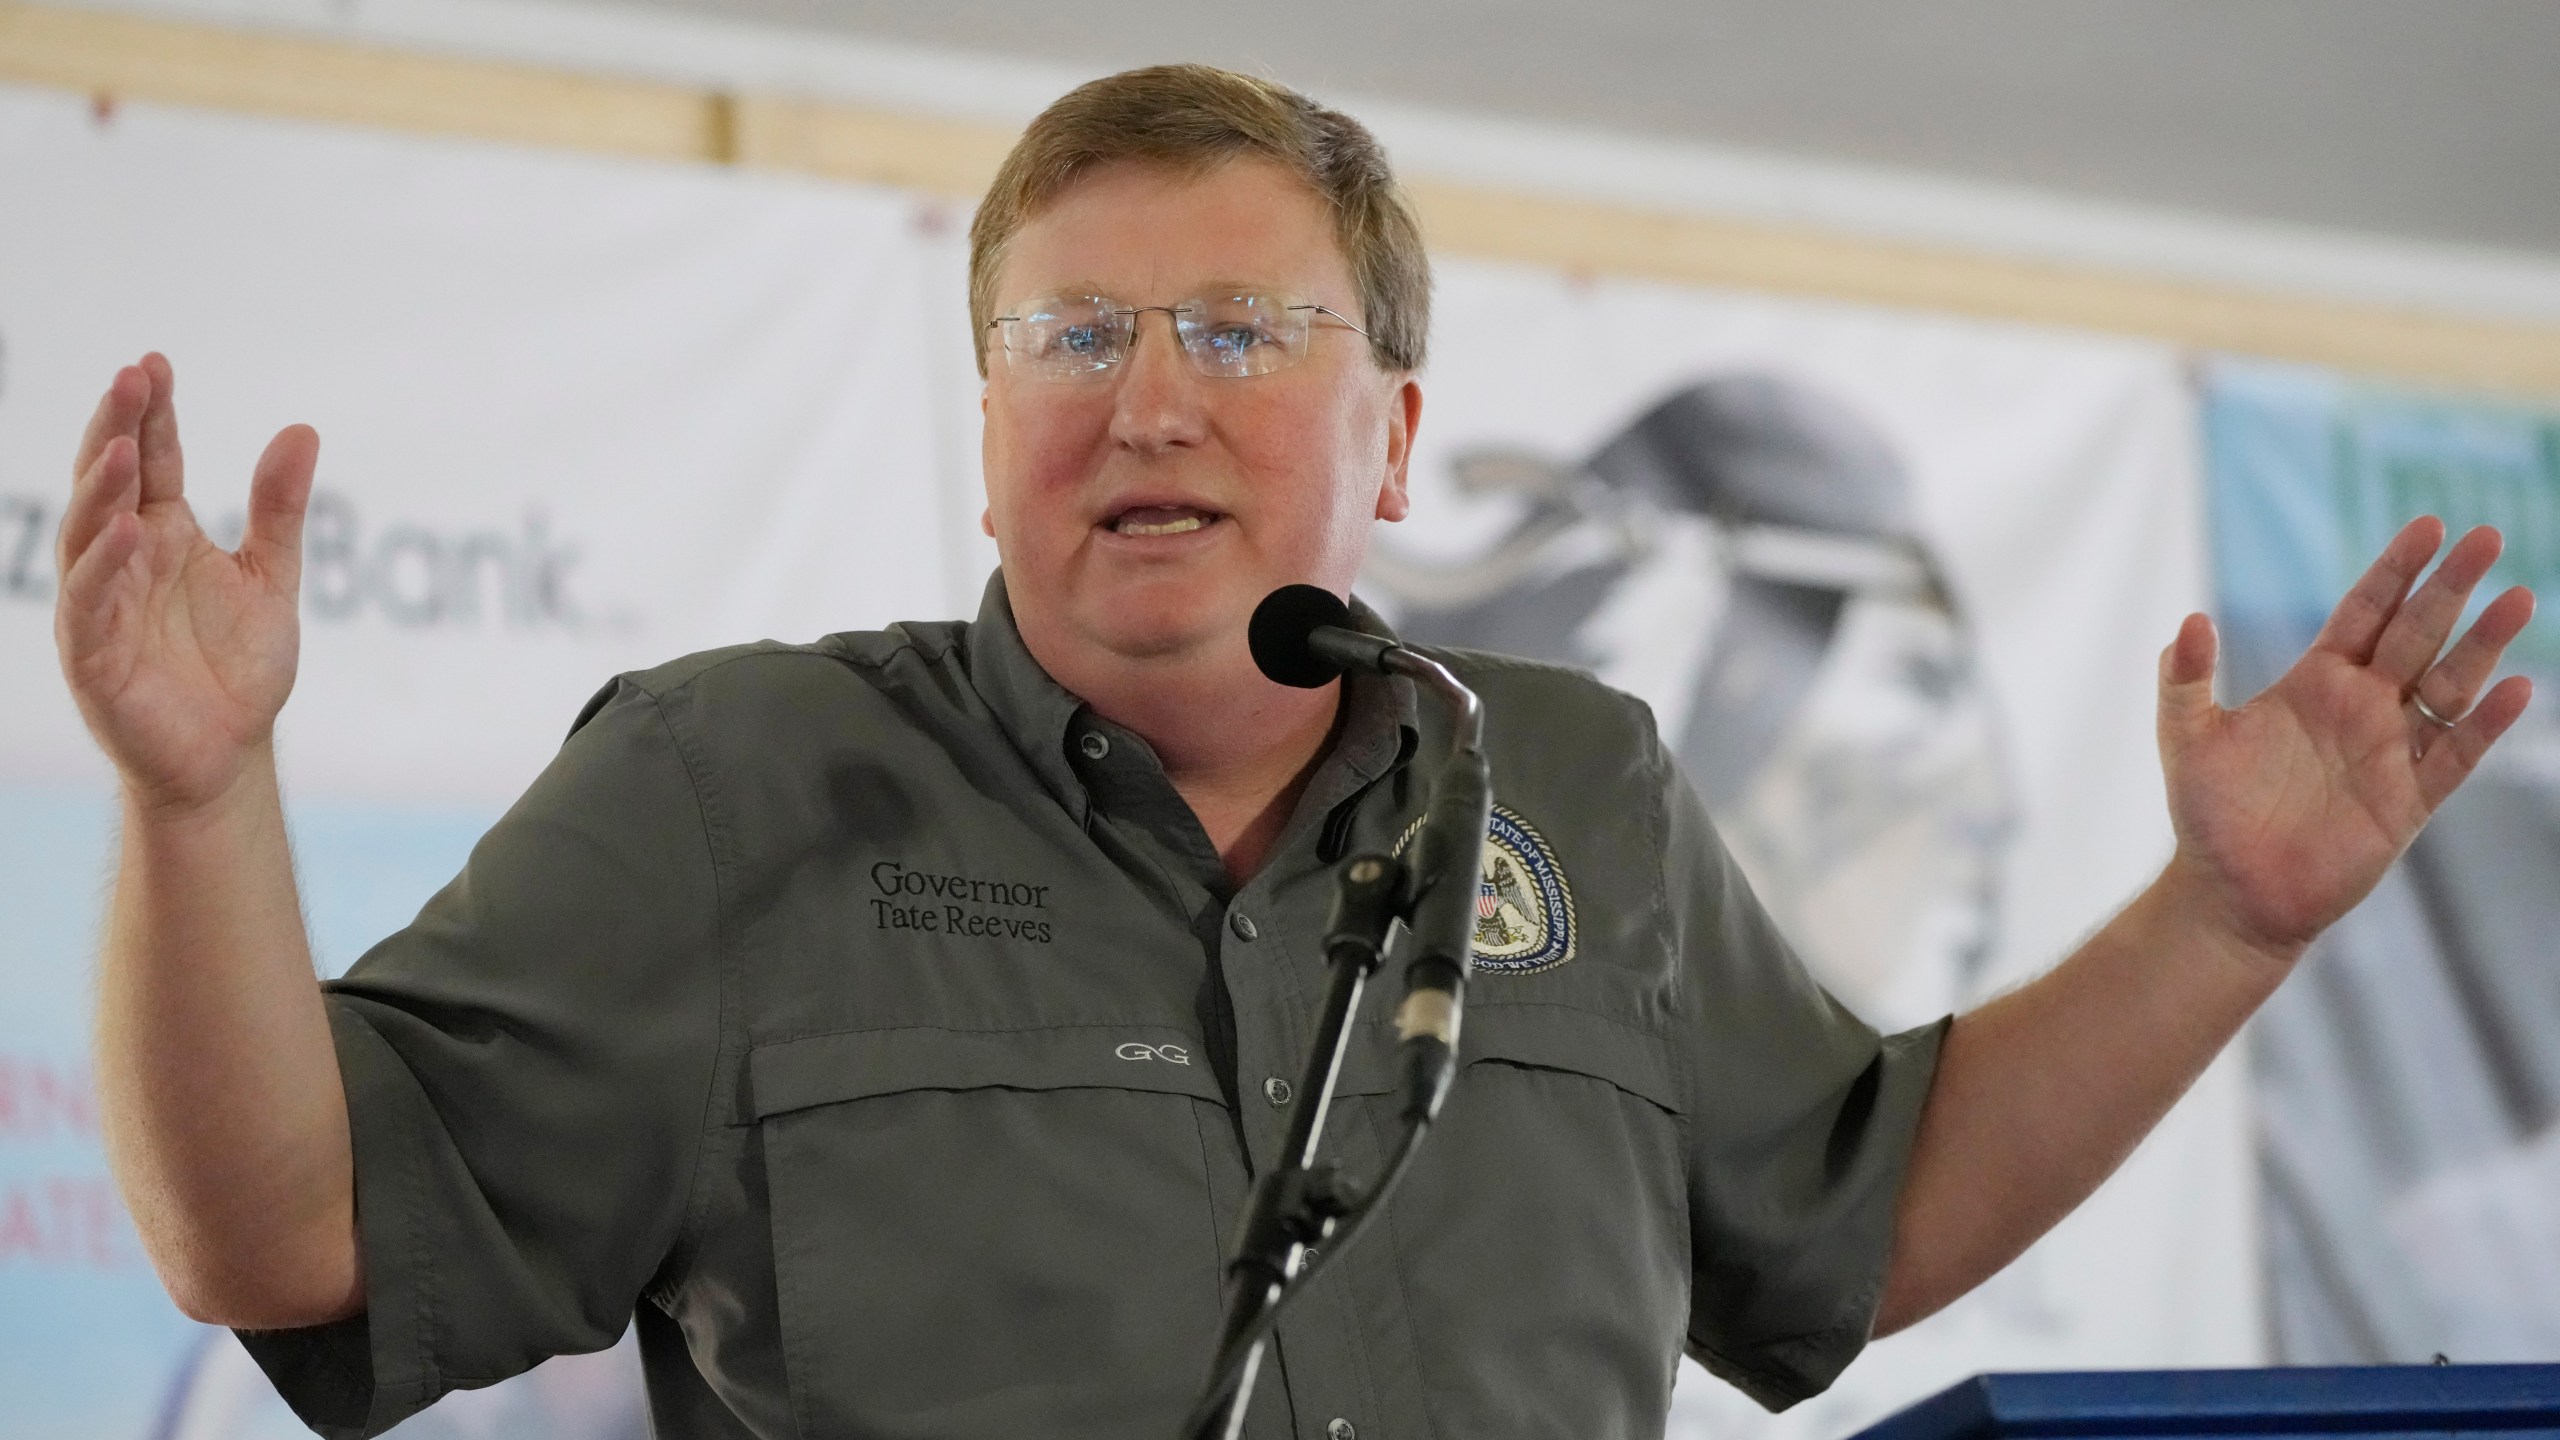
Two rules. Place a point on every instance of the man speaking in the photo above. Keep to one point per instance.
(894, 1024)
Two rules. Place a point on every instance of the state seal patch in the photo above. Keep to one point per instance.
(1524, 908)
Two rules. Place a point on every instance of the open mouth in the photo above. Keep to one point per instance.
(1143, 521)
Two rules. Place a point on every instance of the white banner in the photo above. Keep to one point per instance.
(576, 416)
(581, 415)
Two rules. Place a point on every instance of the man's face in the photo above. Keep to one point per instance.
(1143, 514)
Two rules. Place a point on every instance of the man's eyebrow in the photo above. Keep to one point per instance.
(1205, 287)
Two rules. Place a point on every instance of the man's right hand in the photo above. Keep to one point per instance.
(178, 652)
(218, 1085)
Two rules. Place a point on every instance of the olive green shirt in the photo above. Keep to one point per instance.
(875, 1023)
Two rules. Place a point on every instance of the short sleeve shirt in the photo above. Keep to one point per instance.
(873, 1025)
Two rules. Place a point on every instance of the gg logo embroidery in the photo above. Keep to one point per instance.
(1524, 908)
(1141, 1050)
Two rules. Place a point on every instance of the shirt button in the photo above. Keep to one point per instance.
(1243, 925)
(1341, 1429)
(1276, 1090)
(1096, 744)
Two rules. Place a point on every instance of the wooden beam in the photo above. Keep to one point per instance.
(132, 57)
(190, 64)
(2427, 347)
(871, 147)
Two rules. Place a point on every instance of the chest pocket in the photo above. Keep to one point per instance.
(988, 1232)
(1543, 1231)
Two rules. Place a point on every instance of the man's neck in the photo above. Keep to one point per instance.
(1238, 748)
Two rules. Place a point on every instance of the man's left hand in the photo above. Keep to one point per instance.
(2288, 811)
(2289, 808)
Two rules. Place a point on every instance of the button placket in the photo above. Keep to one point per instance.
(1277, 980)
(1269, 1042)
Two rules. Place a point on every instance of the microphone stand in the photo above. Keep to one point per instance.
(1304, 1202)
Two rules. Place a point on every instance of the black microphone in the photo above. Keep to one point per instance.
(1302, 635)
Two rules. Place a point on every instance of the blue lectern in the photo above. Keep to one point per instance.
(2402, 1402)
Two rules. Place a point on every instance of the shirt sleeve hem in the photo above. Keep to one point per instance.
(358, 1377)
(1776, 1388)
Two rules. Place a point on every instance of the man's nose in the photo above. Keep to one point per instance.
(1158, 402)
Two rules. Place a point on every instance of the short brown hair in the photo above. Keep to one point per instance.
(1195, 117)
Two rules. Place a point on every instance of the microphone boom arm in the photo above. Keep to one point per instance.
(1442, 912)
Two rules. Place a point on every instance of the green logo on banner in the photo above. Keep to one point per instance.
(2397, 458)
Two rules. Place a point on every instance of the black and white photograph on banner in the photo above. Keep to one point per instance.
(1689, 723)
(1865, 569)
(1744, 552)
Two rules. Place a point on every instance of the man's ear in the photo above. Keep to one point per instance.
(1404, 417)
(987, 522)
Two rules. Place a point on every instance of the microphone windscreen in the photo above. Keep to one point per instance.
(1281, 626)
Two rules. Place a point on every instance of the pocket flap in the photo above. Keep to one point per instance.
(1559, 1037)
(1544, 1037)
(790, 1075)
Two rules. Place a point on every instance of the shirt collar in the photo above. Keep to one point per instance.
(1046, 723)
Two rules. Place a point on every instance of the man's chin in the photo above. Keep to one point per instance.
(1157, 625)
(1156, 639)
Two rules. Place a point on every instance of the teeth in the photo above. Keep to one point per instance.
(1183, 526)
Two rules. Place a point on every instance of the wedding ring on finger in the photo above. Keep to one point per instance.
(2427, 712)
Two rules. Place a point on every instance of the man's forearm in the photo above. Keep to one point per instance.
(225, 1117)
(2042, 1093)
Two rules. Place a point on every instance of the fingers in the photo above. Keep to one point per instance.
(2416, 634)
(2357, 624)
(119, 412)
(279, 494)
(163, 473)
(109, 487)
(81, 612)
(2450, 686)
(2186, 678)
(2451, 759)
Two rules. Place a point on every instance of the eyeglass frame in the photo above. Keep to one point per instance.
(1173, 314)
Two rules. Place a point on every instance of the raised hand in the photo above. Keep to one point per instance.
(179, 652)
(2289, 809)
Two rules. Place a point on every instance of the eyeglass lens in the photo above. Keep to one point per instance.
(1079, 337)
